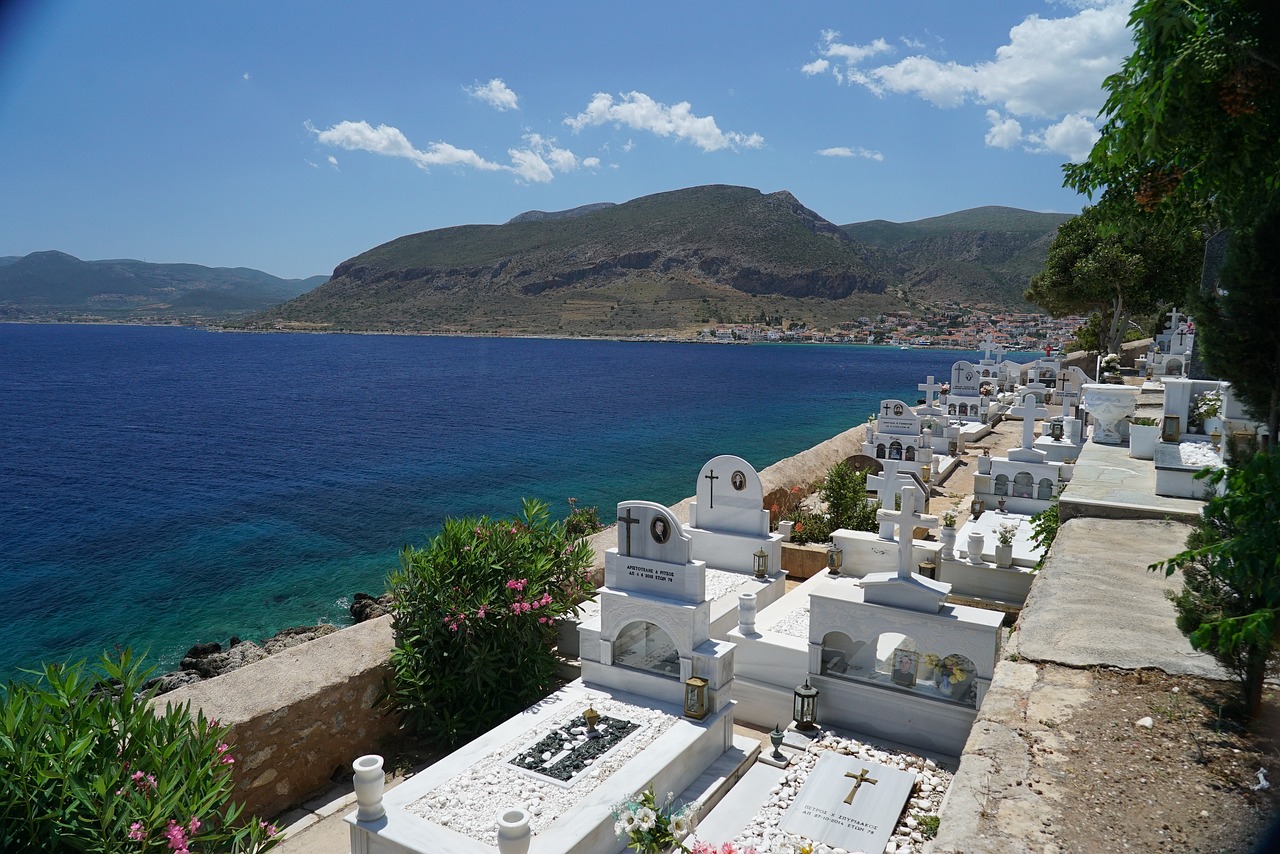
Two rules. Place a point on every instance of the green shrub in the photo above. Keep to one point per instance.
(844, 491)
(1044, 528)
(581, 521)
(1229, 605)
(475, 620)
(88, 766)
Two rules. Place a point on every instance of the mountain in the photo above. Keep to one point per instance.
(982, 255)
(673, 262)
(55, 284)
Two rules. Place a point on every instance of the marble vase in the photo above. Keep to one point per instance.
(514, 832)
(977, 541)
(947, 536)
(1110, 406)
(368, 782)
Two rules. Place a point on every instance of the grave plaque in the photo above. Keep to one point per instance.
(965, 379)
(848, 803)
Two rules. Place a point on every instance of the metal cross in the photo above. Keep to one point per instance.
(711, 478)
(628, 520)
(858, 780)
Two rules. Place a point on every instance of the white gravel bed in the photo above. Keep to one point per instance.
(1199, 454)
(763, 833)
(469, 803)
(722, 581)
(795, 624)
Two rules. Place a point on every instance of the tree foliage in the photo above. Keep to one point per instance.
(1230, 600)
(1190, 131)
(1114, 273)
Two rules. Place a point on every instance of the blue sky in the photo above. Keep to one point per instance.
(290, 136)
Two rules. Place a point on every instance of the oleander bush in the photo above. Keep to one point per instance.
(88, 766)
(844, 491)
(475, 620)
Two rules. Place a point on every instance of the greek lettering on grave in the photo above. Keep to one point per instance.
(653, 555)
(848, 803)
(897, 419)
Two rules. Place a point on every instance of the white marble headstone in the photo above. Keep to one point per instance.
(848, 803)
(895, 418)
(965, 379)
(729, 498)
(653, 555)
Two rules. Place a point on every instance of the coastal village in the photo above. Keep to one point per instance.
(955, 680)
(948, 326)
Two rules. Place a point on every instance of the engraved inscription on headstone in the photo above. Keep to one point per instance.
(850, 804)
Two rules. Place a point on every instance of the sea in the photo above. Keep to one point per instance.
(163, 486)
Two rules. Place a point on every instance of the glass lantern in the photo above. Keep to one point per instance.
(835, 558)
(804, 707)
(761, 563)
(695, 698)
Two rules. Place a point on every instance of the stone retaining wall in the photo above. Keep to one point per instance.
(299, 717)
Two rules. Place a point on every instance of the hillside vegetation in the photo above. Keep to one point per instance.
(52, 285)
(672, 263)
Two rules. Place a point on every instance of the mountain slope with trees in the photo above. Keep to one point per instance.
(51, 284)
(672, 262)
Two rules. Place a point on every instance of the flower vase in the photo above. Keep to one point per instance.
(514, 832)
(977, 541)
(368, 782)
(947, 536)
(984, 464)
(1004, 554)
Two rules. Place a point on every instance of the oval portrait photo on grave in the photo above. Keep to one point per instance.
(660, 530)
(739, 481)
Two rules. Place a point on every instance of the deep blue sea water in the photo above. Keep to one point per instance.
(162, 486)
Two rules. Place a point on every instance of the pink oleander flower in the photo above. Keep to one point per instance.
(177, 836)
(137, 832)
(269, 828)
(193, 825)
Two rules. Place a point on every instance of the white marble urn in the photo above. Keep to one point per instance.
(1109, 405)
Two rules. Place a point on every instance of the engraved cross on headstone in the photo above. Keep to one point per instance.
(628, 520)
(887, 408)
(1029, 411)
(858, 779)
(930, 388)
(711, 487)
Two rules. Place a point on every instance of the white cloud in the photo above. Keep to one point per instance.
(496, 94)
(914, 44)
(1005, 132)
(816, 67)
(638, 111)
(628, 145)
(1050, 71)
(537, 161)
(1074, 136)
(845, 151)
(245, 76)
(591, 162)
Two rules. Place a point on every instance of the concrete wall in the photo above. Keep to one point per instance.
(299, 716)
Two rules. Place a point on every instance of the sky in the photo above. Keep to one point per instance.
(290, 136)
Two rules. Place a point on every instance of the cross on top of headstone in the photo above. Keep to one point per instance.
(907, 520)
(1029, 411)
(1175, 317)
(930, 388)
(987, 346)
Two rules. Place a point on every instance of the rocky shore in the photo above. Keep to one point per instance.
(207, 660)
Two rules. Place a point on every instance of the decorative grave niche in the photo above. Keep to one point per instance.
(653, 630)
(897, 435)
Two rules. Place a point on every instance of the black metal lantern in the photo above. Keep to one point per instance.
(695, 697)
(1056, 430)
(804, 707)
(761, 563)
(835, 558)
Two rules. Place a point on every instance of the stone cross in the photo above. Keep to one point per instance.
(886, 485)
(628, 520)
(986, 348)
(858, 779)
(1174, 319)
(929, 387)
(999, 353)
(1029, 412)
(907, 520)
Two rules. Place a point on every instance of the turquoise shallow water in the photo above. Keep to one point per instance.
(162, 486)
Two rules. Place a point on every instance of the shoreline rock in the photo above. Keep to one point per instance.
(208, 660)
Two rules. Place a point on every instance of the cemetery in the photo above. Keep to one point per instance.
(835, 711)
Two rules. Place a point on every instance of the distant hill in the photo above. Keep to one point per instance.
(55, 284)
(982, 255)
(674, 262)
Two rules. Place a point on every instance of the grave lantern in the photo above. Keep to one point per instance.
(1056, 430)
(976, 507)
(1171, 430)
(835, 557)
(804, 707)
(761, 563)
(695, 697)
(591, 717)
